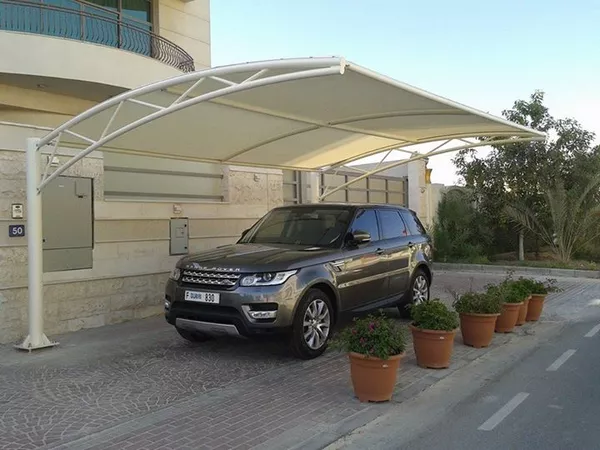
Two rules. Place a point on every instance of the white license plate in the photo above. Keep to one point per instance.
(202, 297)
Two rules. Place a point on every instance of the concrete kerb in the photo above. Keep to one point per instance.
(519, 270)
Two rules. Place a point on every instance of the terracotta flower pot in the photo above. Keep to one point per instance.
(523, 312)
(508, 317)
(433, 348)
(536, 305)
(373, 379)
(477, 329)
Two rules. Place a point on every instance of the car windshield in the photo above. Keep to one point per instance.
(315, 227)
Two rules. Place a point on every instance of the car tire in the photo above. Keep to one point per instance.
(192, 336)
(419, 290)
(313, 324)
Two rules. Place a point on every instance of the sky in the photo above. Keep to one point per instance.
(483, 54)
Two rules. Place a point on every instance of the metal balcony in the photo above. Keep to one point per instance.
(90, 23)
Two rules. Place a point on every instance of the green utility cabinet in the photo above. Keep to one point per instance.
(68, 224)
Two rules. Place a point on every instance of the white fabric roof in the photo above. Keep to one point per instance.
(303, 114)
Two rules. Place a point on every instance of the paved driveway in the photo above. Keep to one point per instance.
(138, 385)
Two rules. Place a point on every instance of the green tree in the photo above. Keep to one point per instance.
(522, 174)
(459, 233)
(575, 214)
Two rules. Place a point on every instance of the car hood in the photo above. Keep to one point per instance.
(251, 258)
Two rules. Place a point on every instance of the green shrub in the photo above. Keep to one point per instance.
(433, 315)
(509, 291)
(459, 233)
(539, 287)
(374, 336)
(477, 303)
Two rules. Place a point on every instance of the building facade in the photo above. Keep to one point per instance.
(107, 257)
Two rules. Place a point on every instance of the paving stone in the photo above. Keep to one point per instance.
(139, 386)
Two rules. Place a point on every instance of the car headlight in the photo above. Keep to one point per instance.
(267, 279)
(175, 274)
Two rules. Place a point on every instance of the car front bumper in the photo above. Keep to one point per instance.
(244, 311)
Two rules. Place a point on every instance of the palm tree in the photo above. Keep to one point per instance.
(574, 213)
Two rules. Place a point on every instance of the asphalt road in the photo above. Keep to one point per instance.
(551, 400)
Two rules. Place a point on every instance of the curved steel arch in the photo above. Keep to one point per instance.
(297, 69)
(306, 68)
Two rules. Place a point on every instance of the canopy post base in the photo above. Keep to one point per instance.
(29, 345)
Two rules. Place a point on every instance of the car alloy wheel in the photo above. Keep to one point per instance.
(420, 289)
(317, 323)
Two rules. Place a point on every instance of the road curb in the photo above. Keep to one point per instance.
(519, 270)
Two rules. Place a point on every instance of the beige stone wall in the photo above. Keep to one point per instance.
(187, 24)
(131, 248)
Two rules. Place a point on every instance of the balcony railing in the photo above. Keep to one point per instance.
(86, 22)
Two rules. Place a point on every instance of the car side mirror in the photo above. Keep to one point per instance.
(360, 237)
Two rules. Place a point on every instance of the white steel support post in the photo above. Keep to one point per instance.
(36, 338)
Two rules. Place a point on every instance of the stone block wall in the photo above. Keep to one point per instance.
(131, 245)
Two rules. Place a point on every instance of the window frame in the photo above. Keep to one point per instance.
(355, 216)
(416, 220)
(337, 244)
(398, 212)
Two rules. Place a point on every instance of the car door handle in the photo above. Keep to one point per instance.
(380, 251)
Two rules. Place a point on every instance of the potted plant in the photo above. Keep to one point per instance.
(526, 289)
(510, 296)
(433, 328)
(375, 346)
(478, 313)
(538, 290)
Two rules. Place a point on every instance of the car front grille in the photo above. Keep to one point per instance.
(216, 279)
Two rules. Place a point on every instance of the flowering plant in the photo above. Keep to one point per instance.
(373, 336)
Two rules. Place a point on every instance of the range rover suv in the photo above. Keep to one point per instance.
(297, 269)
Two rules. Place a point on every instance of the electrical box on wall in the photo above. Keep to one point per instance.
(179, 236)
(68, 224)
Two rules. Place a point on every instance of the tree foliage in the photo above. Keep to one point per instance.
(575, 217)
(546, 188)
(459, 233)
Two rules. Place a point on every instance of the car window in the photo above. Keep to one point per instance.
(366, 220)
(413, 223)
(318, 226)
(392, 225)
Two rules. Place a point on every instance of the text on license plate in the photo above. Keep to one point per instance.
(202, 297)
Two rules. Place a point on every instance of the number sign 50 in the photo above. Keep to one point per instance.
(16, 230)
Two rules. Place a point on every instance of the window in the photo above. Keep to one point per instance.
(392, 225)
(414, 224)
(318, 227)
(366, 220)
(124, 24)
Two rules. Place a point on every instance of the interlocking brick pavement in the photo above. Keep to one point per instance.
(138, 385)
(279, 409)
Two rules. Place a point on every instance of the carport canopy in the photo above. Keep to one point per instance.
(306, 114)
(311, 114)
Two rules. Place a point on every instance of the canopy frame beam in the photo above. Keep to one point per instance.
(418, 156)
(256, 74)
(180, 103)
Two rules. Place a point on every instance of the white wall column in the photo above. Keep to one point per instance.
(417, 188)
(311, 185)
